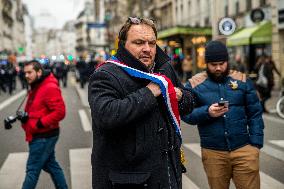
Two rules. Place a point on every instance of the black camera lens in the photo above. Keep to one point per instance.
(8, 122)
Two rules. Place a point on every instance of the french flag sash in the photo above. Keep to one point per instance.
(166, 86)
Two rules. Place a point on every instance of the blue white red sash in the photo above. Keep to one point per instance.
(166, 86)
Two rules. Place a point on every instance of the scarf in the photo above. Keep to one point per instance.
(166, 86)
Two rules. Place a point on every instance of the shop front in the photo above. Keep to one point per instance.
(251, 43)
(180, 41)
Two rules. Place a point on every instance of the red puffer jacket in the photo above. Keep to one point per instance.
(46, 104)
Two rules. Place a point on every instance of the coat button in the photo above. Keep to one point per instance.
(160, 129)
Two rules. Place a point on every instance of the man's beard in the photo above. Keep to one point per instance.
(220, 77)
(35, 81)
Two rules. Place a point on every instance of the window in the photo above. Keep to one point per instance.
(181, 10)
(248, 4)
(226, 10)
(237, 7)
(206, 22)
(262, 2)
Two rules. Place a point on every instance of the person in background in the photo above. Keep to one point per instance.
(228, 115)
(267, 67)
(238, 65)
(45, 108)
(187, 68)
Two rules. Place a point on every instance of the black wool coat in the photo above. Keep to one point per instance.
(133, 142)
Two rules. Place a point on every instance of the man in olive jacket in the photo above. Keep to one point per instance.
(134, 142)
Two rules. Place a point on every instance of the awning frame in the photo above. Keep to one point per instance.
(258, 34)
(184, 30)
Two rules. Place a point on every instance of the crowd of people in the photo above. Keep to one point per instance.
(12, 72)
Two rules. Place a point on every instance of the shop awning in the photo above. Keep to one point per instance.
(180, 30)
(259, 34)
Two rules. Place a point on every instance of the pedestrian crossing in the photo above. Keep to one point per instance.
(85, 121)
(267, 182)
(12, 171)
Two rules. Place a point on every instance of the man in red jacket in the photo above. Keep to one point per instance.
(45, 108)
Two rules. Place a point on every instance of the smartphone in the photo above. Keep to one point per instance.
(224, 103)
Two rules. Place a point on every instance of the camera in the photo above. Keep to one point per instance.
(20, 115)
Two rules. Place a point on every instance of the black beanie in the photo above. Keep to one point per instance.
(216, 51)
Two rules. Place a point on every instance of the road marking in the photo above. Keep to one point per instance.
(273, 119)
(267, 182)
(12, 172)
(187, 183)
(85, 120)
(80, 168)
(279, 143)
(12, 99)
(83, 95)
(278, 154)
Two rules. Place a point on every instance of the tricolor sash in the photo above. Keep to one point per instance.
(166, 86)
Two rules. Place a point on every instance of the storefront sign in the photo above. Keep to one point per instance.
(257, 15)
(227, 26)
(198, 40)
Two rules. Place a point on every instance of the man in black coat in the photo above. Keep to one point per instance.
(134, 142)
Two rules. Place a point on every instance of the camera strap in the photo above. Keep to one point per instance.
(22, 103)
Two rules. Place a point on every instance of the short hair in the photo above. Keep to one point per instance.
(36, 65)
(122, 36)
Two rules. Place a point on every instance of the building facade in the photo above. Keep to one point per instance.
(278, 36)
(28, 20)
(254, 28)
(184, 28)
(90, 27)
(12, 31)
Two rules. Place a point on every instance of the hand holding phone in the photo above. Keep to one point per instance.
(224, 103)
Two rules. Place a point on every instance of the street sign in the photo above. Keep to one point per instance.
(257, 15)
(227, 26)
(96, 25)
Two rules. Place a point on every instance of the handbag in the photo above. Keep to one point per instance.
(261, 80)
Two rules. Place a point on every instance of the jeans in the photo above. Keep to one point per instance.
(240, 165)
(42, 156)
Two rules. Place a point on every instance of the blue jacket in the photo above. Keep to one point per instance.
(241, 125)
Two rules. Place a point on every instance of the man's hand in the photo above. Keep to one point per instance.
(178, 93)
(154, 88)
(216, 111)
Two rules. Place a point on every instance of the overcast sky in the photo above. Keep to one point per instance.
(62, 10)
